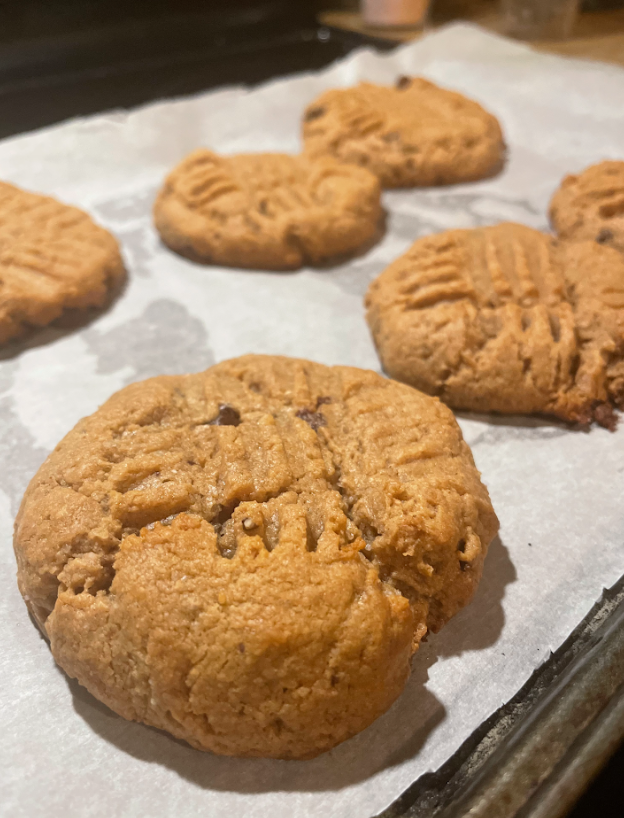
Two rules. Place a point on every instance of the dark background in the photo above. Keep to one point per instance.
(62, 58)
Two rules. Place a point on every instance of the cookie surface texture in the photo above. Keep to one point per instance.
(247, 557)
(591, 205)
(267, 211)
(53, 258)
(410, 135)
(505, 319)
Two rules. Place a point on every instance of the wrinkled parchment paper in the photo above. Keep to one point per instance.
(558, 493)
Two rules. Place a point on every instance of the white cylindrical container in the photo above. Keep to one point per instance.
(394, 12)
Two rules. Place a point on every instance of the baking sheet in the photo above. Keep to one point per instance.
(558, 493)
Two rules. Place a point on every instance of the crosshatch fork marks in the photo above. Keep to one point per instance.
(267, 211)
(335, 520)
(53, 258)
(506, 319)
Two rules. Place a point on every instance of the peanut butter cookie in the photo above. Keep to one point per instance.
(267, 211)
(591, 205)
(247, 557)
(505, 319)
(53, 259)
(411, 135)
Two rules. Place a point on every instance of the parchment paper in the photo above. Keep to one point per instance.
(558, 493)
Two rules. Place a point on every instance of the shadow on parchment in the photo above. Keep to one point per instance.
(520, 426)
(394, 738)
(69, 322)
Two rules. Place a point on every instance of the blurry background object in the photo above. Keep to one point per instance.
(601, 5)
(395, 12)
(597, 34)
(63, 58)
(539, 19)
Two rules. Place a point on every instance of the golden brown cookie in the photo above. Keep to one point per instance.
(505, 319)
(267, 211)
(247, 557)
(411, 135)
(591, 205)
(53, 259)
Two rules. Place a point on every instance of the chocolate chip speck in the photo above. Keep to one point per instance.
(322, 399)
(241, 647)
(228, 416)
(314, 113)
(604, 236)
(403, 82)
(605, 416)
(313, 419)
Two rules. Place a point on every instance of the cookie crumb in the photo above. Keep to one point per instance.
(248, 524)
(403, 82)
(605, 416)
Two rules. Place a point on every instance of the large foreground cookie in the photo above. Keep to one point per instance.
(505, 319)
(414, 134)
(591, 205)
(53, 258)
(247, 557)
(267, 211)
